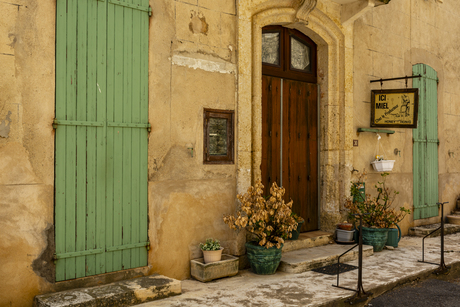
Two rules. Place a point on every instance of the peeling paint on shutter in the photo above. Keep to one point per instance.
(101, 137)
(425, 148)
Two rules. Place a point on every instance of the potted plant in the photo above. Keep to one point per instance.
(345, 232)
(212, 251)
(296, 232)
(269, 220)
(377, 213)
(382, 165)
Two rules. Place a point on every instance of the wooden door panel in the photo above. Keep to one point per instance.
(271, 135)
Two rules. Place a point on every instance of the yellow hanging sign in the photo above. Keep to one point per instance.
(397, 108)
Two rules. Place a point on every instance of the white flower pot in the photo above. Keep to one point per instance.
(345, 235)
(383, 165)
(212, 256)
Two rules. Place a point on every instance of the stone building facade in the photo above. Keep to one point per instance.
(207, 55)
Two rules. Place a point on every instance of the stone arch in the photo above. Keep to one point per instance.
(333, 103)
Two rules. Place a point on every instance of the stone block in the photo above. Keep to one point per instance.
(124, 293)
(228, 266)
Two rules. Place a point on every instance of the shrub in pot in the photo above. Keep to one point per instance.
(212, 251)
(296, 232)
(269, 220)
(378, 213)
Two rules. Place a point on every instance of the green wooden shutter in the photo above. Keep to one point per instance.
(425, 148)
(101, 136)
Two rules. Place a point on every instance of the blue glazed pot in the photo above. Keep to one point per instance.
(377, 237)
(263, 261)
(394, 236)
(296, 233)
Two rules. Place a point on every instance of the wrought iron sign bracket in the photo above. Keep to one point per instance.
(393, 79)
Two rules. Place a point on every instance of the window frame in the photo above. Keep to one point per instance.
(218, 159)
(285, 70)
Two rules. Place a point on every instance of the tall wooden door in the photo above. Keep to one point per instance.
(290, 144)
(101, 136)
(425, 148)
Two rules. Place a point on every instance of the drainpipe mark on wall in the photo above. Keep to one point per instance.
(5, 127)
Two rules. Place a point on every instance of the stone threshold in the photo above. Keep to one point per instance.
(121, 293)
(421, 231)
(307, 259)
(308, 239)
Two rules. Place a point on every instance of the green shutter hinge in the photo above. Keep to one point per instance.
(147, 246)
(437, 80)
(150, 11)
(55, 259)
(55, 125)
(149, 127)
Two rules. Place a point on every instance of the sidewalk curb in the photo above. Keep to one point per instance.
(454, 272)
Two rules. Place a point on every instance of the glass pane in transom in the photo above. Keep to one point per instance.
(300, 55)
(217, 136)
(271, 48)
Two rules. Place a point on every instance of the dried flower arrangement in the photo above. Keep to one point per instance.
(268, 219)
(380, 213)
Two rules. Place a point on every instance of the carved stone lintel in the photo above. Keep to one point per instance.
(304, 8)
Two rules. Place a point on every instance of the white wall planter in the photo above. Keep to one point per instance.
(383, 165)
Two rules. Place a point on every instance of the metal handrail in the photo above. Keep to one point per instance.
(442, 266)
(360, 295)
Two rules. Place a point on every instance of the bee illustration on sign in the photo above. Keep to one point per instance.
(394, 108)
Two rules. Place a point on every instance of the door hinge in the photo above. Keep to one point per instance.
(270, 87)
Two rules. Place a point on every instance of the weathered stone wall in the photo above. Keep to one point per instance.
(193, 66)
(388, 41)
(26, 148)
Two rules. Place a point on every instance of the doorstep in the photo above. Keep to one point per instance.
(121, 293)
(308, 239)
(307, 259)
(421, 231)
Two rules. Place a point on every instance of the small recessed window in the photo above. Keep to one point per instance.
(271, 48)
(218, 136)
(300, 55)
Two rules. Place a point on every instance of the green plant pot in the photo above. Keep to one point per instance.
(296, 233)
(394, 236)
(377, 237)
(263, 261)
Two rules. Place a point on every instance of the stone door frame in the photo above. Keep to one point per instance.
(336, 102)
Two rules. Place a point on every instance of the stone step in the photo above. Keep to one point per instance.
(421, 231)
(122, 293)
(307, 259)
(308, 239)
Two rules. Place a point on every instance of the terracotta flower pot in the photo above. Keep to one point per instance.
(346, 226)
(212, 256)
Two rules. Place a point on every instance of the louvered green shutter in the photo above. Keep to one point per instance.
(425, 149)
(101, 136)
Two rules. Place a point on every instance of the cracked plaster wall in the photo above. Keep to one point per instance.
(26, 146)
(201, 56)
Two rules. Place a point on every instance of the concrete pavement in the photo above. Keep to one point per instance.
(381, 272)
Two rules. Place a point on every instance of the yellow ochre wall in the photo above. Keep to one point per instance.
(206, 54)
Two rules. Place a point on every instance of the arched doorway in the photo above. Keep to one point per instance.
(290, 119)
